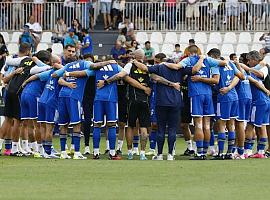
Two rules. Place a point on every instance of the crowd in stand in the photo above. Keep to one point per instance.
(204, 15)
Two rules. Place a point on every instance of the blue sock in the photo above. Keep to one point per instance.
(136, 140)
(205, 147)
(153, 139)
(261, 144)
(231, 141)
(240, 150)
(248, 144)
(72, 139)
(199, 145)
(212, 139)
(112, 137)
(48, 147)
(171, 141)
(234, 149)
(221, 142)
(96, 137)
(63, 141)
(77, 141)
(8, 144)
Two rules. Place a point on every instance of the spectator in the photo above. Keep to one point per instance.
(212, 17)
(177, 54)
(170, 14)
(122, 36)
(71, 38)
(3, 51)
(91, 4)
(76, 25)
(85, 12)
(243, 13)
(38, 10)
(35, 29)
(192, 10)
(28, 37)
(4, 14)
(87, 44)
(266, 38)
(203, 8)
(232, 13)
(118, 52)
(69, 11)
(191, 42)
(134, 46)
(106, 11)
(256, 12)
(115, 13)
(129, 37)
(126, 24)
(18, 15)
(149, 52)
(60, 30)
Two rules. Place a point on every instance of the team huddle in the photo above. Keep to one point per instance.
(216, 96)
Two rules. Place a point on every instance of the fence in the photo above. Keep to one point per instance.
(14, 15)
(206, 15)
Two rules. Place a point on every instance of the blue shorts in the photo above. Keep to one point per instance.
(102, 108)
(202, 105)
(244, 109)
(41, 112)
(105, 7)
(29, 106)
(227, 110)
(260, 115)
(70, 111)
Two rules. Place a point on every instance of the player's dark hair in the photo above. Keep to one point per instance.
(232, 55)
(193, 49)
(147, 42)
(49, 49)
(24, 48)
(192, 41)
(69, 45)
(160, 56)
(88, 56)
(177, 45)
(44, 56)
(243, 58)
(215, 53)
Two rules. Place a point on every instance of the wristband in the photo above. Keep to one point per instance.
(67, 73)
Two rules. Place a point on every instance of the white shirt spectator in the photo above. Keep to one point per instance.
(38, 2)
(176, 56)
(69, 3)
(107, 1)
(116, 5)
(256, 2)
(35, 27)
(123, 25)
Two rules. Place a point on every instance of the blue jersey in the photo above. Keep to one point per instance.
(51, 90)
(87, 50)
(76, 93)
(209, 68)
(227, 73)
(243, 88)
(34, 88)
(108, 92)
(258, 96)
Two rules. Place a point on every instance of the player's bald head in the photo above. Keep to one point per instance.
(139, 54)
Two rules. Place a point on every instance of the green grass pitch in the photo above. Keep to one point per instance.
(29, 178)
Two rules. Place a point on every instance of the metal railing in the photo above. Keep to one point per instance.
(14, 15)
(205, 15)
